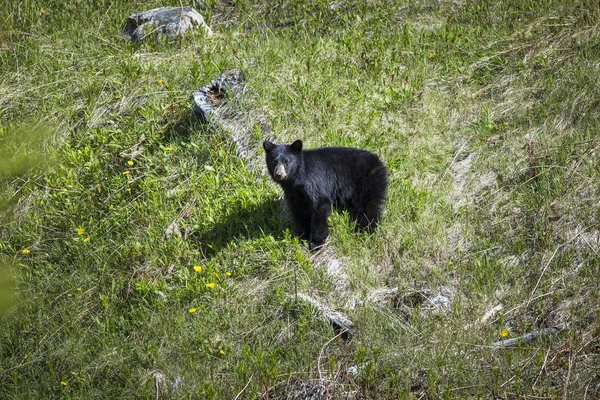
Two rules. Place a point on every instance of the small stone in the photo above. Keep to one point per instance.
(173, 229)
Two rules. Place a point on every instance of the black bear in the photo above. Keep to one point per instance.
(314, 180)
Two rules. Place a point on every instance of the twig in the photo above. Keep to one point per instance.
(327, 260)
(158, 379)
(320, 249)
(523, 367)
(468, 387)
(488, 249)
(51, 188)
(541, 369)
(454, 159)
(565, 389)
(546, 267)
(4, 371)
(542, 274)
(321, 353)
(157, 387)
(522, 305)
(244, 388)
(491, 313)
(590, 246)
(530, 336)
(258, 326)
(109, 198)
(586, 389)
(529, 396)
(295, 283)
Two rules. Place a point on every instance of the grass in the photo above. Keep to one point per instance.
(485, 114)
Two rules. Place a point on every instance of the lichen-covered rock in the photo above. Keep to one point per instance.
(163, 21)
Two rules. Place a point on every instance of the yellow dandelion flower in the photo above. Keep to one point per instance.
(130, 163)
(129, 189)
(160, 81)
(228, 273)
(42, 11)
(168, 148)
(431, 55)
(125, 172)
(87, 240)
(79, 289)
(64, 383)
(226, 179)
(451, 263)
(215, 274)
(197, 268)
(25, 251)
(206, 209)
(80, 231)
(192, 310)
(111, 207)
(221, 352)
(210, 285)
(504, 333)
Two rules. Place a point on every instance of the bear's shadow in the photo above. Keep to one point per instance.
(263, 219)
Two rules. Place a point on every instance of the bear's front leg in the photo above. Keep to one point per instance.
(300, 210)
(302, 224)
(318, 226)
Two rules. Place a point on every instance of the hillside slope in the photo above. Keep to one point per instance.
(144, 256)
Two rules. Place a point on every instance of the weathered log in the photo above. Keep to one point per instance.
(208, 98)
(338, 320)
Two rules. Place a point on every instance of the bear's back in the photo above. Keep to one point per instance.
(341, 172)
(341, 159)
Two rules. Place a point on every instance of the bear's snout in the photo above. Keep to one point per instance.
(279, 173)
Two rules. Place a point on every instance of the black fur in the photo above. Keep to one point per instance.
(314, 180)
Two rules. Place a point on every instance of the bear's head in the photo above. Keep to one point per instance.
(283, 160)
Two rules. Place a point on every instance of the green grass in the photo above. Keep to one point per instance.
(486, 114)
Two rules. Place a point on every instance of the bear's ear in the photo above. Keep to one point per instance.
(297, 145)
(268, 146)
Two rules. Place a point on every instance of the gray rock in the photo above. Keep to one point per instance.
(163, 21)
(441, 303)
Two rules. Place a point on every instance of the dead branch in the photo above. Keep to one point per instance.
(530, 336)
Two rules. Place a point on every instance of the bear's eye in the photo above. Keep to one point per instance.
(285, 161)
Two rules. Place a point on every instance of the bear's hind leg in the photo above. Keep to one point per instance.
(369, 210)
(368, 219)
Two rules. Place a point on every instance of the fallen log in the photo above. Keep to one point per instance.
(339, 321)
